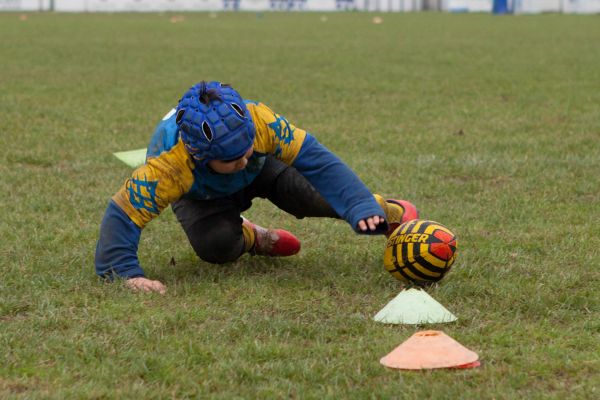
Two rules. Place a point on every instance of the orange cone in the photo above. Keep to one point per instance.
(430, 349)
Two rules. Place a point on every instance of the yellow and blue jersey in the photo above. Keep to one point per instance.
(170, 174)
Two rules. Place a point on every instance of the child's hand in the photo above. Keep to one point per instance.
(370, 223)
(146, 285)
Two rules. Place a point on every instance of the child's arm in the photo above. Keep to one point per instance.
(116, 251)
(332, 178)
(340, 186)
(149, 190)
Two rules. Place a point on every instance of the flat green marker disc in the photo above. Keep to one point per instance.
(413, 307)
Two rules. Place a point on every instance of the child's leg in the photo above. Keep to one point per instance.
(214, 228)
(397, 212)
(219, 235)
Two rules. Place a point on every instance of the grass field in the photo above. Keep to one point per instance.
(491, 125)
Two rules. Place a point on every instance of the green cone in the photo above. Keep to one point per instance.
(414, 306)
(133, 158)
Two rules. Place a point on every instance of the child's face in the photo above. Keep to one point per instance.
(233, 166)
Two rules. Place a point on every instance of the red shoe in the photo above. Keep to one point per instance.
(401, 211)
(273, 242)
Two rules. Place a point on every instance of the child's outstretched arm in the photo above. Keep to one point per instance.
(340, 186)
(330, 176)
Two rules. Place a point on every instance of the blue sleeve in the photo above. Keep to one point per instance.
(116, 251)
(336, 182)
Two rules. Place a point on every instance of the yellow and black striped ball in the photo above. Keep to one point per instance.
(420, 251)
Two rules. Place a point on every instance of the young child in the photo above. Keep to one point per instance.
(209, 158)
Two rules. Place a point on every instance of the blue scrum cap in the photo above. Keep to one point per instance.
(214, 122)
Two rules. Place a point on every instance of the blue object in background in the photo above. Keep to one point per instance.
(500, 7)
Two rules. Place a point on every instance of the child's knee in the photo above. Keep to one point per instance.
(220, 245)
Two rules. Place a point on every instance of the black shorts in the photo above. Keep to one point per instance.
(214, 227)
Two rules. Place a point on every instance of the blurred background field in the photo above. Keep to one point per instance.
(491, 125)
